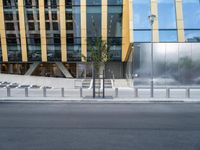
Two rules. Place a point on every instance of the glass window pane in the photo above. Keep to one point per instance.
(168, 35)
(191, 14)
(72, 2)
(115, 2)
(93, 21)
(141, 12)
(93, 2)
(192, 35)
(114, 21)
(142, 36)
(166, 14)
(76, 21)
(114, 27)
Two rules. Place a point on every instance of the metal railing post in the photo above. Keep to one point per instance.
(8, 92)
(81, 92)
(44, 92)
(168, 92)
(116, 92)
(188, 93)
(103, 84)
(26, 92)
(62, 92)
(136, 92)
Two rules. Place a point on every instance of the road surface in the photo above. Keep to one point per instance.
(61, 126)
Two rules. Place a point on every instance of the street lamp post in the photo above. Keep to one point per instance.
(151, 20)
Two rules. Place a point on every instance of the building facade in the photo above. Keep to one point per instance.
(48, 32)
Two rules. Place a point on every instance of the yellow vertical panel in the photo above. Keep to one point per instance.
(43, 31)
(22, 30)
(63, 31)
(154, 11)
(104, 19)
(179, 21)
(83, 30)
(131, 20)
(125, 30)
(3, 34)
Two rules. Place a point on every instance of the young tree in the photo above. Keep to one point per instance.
(99, 51)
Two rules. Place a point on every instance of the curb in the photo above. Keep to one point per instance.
(97, 101)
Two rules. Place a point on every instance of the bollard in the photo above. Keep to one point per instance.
(62, 92)
(188, 93)
(8, 92)
(26, 92)
(168, 92)
(44, 92)
(136, 92)
(81, 92)
(116, 92)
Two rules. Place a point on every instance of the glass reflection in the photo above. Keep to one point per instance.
(191, 14)
(185, 63)
(72, 2)
(34, 47)
(53, 30)
(195, 70)
(115, 31)
(93, 2)
(93, 25)
(168, 35)
(74, 34)
(174, 63)
(93, 21)
(141, 11)
(11, 14)
(166, 14)
(192, 35)
(114, 21)
(142, 36)
(171, 62)
(115, 2)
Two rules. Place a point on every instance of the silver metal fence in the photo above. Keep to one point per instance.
(168, 90)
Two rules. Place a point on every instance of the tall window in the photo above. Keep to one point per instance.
(52, 23)
(93, 21)
(167, 20)
(73, 22)
(12, 29)
(142, 29)
(32, 29)
(191, 17)
(114, 27)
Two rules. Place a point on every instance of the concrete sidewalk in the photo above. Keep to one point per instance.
(124, 94)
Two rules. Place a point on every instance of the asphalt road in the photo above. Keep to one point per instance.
(99, 126)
